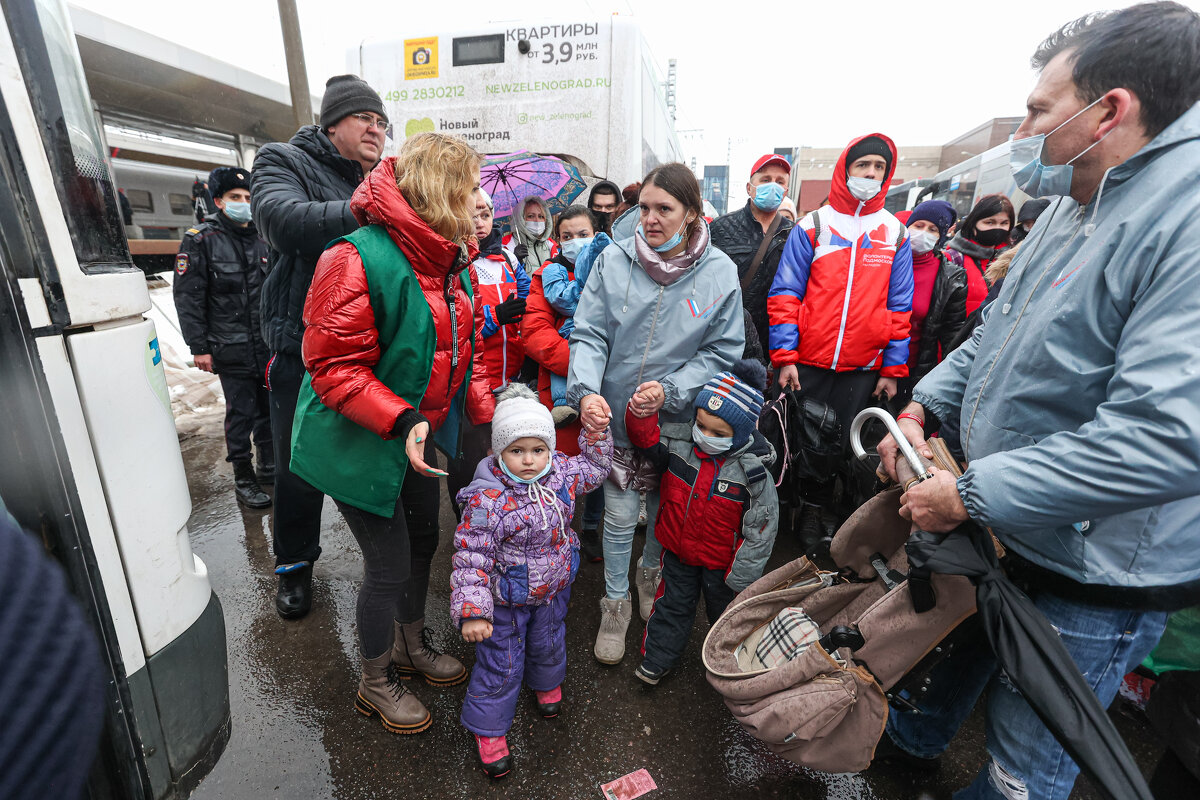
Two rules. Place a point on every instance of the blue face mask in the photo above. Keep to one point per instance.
(504, 468)
(713, 445)
(669, 244)
(1035, 178)
(238, 212)
(573, 247)
(768, 196)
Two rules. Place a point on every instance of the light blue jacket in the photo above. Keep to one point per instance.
(561, 292)
(629, 330)
(1079, 396)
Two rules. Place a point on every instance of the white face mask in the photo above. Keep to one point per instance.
(535, 226)
(922, 241)
(713, 445)
(863, 188)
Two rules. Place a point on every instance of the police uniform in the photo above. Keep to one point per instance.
(219, 273)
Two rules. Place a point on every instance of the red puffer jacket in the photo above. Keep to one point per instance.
(341, 343)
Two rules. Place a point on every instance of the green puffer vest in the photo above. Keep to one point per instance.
(341, 458)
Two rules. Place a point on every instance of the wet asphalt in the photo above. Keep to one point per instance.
(292, 684)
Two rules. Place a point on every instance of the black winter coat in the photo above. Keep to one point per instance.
(946, 318)
(300, 196)
(219, 275)
(739, 235)
(753, 347)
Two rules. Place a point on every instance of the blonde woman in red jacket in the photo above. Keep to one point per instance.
(394, 357)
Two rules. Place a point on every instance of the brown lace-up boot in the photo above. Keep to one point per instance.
(412, 655)
(380, 693)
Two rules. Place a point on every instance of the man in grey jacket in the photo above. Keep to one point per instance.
(1078, 398)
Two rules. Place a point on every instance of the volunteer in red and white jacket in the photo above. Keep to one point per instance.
(839, 307)
(840, 304)
(503, 287)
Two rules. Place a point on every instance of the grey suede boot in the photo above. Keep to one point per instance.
(412, 655)
(614, 622)
(647, 586)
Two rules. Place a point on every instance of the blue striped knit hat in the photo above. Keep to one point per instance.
(736, 396)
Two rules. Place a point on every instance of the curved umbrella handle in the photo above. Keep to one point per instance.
(919, 466)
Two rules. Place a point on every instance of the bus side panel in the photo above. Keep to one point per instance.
(69, 414)
(128, 410)
(190, 679)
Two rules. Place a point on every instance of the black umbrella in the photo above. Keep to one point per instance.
(1034, 658)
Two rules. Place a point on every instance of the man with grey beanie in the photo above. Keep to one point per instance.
(300, 198)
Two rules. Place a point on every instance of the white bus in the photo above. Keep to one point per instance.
(964, 183)
(586, 91)
(91, 459)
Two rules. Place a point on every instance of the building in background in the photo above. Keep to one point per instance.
(715, 187)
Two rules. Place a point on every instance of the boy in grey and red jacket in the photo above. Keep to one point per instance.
(718, 512)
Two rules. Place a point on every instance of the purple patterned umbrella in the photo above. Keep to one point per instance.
(509, 178)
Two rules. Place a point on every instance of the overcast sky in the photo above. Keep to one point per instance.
(764, 73)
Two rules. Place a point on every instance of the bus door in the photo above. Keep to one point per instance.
(85, 404)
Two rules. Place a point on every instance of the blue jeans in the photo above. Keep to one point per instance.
(620, 520)
(1026, 759)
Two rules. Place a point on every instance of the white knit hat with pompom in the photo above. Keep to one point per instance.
(519, 414)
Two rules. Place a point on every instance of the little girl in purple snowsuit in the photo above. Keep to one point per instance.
(515, 558)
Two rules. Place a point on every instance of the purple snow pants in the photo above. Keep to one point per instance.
(528, 644)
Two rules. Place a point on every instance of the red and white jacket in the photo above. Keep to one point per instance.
(500, 275)
(842, 297)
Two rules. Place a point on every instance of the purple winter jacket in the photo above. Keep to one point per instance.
(515, 545)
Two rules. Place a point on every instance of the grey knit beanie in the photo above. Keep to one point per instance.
(346, 95)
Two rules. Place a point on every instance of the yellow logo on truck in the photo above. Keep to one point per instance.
(420, 58)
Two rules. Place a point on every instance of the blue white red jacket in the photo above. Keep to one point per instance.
(842, 297)
(717, 512)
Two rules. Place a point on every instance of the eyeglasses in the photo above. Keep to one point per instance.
(381, 124)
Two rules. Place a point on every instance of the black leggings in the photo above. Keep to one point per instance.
(397, 554)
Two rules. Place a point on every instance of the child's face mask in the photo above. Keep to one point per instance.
(526, 460)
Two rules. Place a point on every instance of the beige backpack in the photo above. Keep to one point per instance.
(827, 707)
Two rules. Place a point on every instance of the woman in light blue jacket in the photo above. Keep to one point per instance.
(661, 314)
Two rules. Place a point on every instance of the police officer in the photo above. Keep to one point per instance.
(218, 277)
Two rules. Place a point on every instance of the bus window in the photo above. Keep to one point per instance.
(181, 204)
(140, 200)
(77, 155)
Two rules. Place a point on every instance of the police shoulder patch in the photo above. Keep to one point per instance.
(181, 263)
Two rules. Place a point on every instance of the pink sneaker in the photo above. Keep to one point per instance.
(548, 702)
(494, 755)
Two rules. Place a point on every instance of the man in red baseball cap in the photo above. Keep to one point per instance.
(740, 234)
